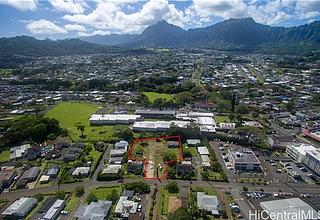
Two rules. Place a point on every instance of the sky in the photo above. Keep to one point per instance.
(59, 19)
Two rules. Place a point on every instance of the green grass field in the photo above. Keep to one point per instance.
(72, 202)
(4, 156)
(103, 192)
(69, 114)
(154, 95)
(221, 119)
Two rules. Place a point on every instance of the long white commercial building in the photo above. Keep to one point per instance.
(105, 119)
(298, 151)
(312, 161)
(158, 126)
(204, 121)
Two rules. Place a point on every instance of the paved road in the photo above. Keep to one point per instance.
(101, 163)
(89, 184)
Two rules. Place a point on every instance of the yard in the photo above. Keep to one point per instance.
(71, 114)
(4, 156)
(102, 193)
(192, 150)
(154, 95)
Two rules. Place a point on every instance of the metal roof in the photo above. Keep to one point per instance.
(20, 207)
(288, 207)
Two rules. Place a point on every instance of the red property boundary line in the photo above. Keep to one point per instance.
(177, 138)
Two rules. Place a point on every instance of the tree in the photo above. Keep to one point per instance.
(79, 191)
(91, 198)
(172, 187)
(81, 127)
(183, 98)
(124, 133)
(140, 187)
(242, 109)
(187, 154)
(181, 214)
(112, 196)
(168, 156)
(245, 189)
(233, 102)
(39, 197)
(60, 194)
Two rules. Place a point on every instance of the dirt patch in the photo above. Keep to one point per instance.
(174, 204)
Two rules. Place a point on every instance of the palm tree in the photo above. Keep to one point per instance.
(81, 128)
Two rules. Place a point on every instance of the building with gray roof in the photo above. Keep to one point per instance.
(31, 174)
(244, 160)
(50, 210)
(284, 209)
(20, 208)
(312, 161)
(156, 113)
(94, 211)
(208, 203)
(121, 145)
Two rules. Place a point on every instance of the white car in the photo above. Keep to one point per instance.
(64, 212)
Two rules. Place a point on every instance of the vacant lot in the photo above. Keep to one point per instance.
(71, 114)
(221, 119)
(4, 156)
(153, 152)
(103, 192)
(154, 95)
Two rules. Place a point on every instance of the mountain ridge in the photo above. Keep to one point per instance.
(237, 32)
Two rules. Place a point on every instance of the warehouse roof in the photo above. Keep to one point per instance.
(286, 208)
(154, 112)
(112, 117)
(20, 207)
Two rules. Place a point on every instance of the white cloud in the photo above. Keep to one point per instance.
(109, 15)
(44, 27)
(97, 32)
(22, 5)
(70, 6)
(75, 27)
(269, 12)
(307, 9)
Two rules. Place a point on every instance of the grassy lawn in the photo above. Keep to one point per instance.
(252, 180)
(4, 156)
(221, 119)
(102, 192)
(95, 154)
(69, 114)
(192, 150)
(154, 95)
(3, 202)
(72, 202)
(208, 190)
(215, 176)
